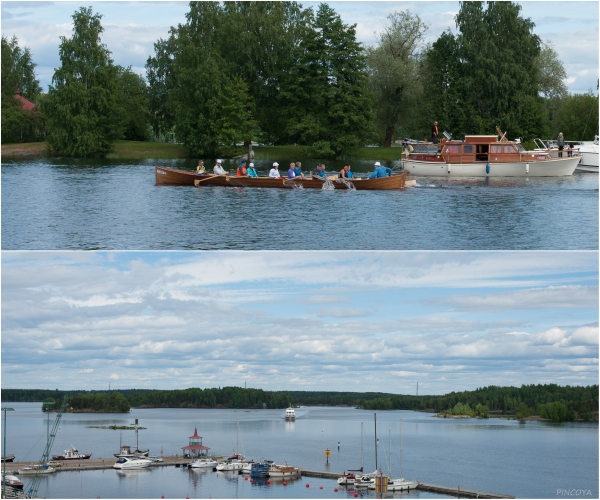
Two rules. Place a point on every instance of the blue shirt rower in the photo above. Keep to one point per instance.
(380, 171)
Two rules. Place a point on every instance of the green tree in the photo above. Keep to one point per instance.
(394, 73)
(134, 100)
(551, 73)
(493, 65)
(576, 116)
(18, 74)
(327, 103)
(83, 108)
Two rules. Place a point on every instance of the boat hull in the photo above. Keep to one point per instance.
(174, 177)
(132, 463)
(554, 167)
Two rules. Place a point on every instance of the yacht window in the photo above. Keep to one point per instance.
(510, 149)
(452, 149)
(495, 149)
(468, 148)
(520, 148)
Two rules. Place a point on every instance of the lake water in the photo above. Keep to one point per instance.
(115, 204)
(530, 459)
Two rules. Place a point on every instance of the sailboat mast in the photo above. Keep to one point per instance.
(237, 433)
(375, 415)
(390, 450)
(362, 456)
(401, 449)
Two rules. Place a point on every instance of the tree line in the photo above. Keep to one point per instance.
(548, 401)
(277, 73)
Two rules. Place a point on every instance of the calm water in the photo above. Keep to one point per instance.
(104, 204)
(531, 459)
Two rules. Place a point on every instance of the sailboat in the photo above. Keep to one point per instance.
(368, 480)
(236, 461)
(401, 484)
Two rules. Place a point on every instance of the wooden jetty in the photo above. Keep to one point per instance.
(459, 492)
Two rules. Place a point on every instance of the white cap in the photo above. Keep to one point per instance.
(219, 161)
(251, 165)
(275, 164)
(377, 164)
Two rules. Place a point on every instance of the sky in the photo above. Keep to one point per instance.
(132, 28)
(341, 321)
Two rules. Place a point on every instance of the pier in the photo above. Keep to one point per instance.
(177, 461)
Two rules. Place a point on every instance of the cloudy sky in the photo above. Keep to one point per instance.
(132, 28)
(361, 321)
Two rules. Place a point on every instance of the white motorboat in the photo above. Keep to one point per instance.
(290, 414)
(484, 156)
(202, 463)
(132, 463)
(589, 156)
(587, 151)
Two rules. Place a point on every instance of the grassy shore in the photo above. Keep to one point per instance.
(134, 150)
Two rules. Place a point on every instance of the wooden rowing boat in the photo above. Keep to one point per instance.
(171, 176)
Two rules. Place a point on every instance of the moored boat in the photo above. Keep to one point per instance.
(484, 156)
(202, 463)
(37, 469)
(7, 458)
(170, 176)
(284, 471)
(132, 463)
(260, 469)
(13, 482)
(125, 451)
(236, 462)
(72, 454)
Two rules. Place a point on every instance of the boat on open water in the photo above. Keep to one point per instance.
(290, 414)
(171, 176)
(484, 156)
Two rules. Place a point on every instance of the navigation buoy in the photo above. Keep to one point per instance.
(335, 489)
(251, 480)
(284, 483)
(320, 487)
(268, 481)
(356, 495)
(245, 478)
(307, 485)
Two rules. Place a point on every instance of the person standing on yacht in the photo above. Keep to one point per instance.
(435, 133)
(561, 144)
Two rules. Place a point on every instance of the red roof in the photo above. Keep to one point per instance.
(196, 434)
(25, 104)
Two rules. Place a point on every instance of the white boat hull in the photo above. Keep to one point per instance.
(36, 470)
(233, 466)
(555, 167)
(132, 463)
(401, 485)
(203, 464)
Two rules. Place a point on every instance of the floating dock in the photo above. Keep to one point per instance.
(107, 463)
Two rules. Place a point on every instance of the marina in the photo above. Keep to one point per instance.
(449, 452)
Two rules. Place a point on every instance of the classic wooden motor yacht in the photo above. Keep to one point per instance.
(483, 156)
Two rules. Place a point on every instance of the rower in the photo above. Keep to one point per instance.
(241, 170)
(274, 172)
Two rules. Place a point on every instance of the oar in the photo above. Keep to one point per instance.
(198, 181)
